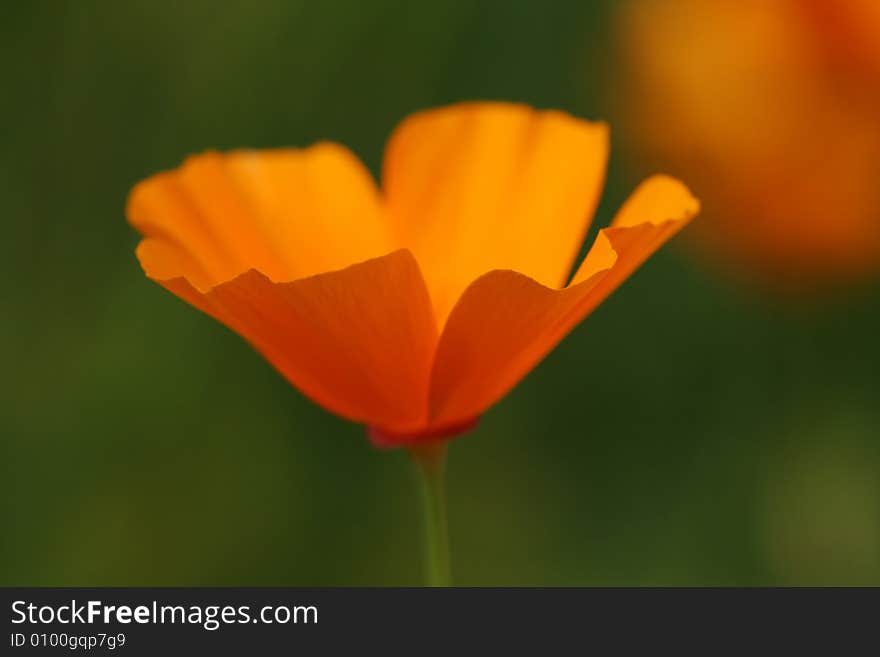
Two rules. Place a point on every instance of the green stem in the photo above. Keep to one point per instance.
(430, 461)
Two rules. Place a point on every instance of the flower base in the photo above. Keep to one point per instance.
(390, 440)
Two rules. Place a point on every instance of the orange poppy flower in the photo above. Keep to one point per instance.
(773, 110)
(414, 308)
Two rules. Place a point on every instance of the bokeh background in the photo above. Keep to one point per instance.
(697, 429)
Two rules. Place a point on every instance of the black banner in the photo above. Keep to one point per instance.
(146, 621)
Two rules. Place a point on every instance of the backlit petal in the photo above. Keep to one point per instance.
(286, 213)
(358, 341)
(655, 201)
(482, 186)
(506, 322)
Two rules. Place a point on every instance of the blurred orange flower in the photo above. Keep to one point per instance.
(772, 110)
(413, 309)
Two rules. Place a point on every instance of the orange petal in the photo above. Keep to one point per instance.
(358, 341)
(287, 213)
(162, 259)
(505, 322)
(481, 186)
(662, 201)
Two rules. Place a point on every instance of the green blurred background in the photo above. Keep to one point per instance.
(692, 431)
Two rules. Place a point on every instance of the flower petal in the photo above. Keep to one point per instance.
(663, 202)
(505, 322)
(481, 186)
(359, 341)
(286, 213)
